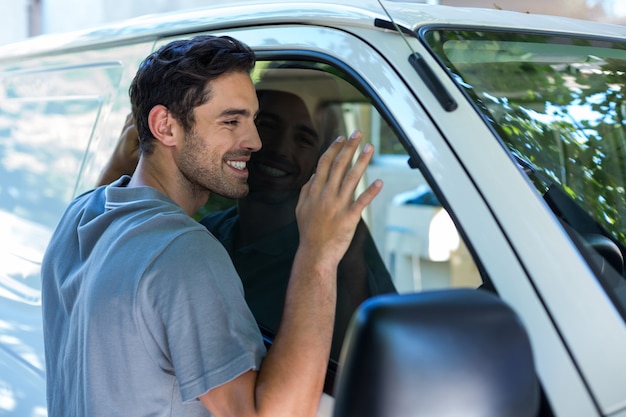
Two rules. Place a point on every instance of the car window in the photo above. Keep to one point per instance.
(46, 122)
(407, 241)
(557, 104)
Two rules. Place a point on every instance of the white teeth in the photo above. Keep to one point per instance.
(237, 164)
(274, 172)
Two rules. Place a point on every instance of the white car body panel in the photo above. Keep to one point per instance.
(577, 334)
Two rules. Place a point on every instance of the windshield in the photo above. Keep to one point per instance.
(557, 103)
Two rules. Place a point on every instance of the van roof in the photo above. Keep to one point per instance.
(222, 14)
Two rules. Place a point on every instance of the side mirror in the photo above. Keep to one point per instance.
(437, 353)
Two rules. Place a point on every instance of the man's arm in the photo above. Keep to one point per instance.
(291, 378)
(124, 159)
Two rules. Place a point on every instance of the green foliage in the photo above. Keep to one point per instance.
(556, 102)
(215, 203)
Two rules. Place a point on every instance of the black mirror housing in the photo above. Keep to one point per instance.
(437, 353)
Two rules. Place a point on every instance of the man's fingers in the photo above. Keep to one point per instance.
(367, 196)
(341, 168)
(337, 177)
(355, 173)
(327, 159)
(335, 162)
(328, 210)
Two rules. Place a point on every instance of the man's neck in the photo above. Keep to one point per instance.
(150, 173)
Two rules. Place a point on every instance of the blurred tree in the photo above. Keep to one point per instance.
(565, 118)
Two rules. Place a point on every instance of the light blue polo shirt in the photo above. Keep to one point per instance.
(143, 309)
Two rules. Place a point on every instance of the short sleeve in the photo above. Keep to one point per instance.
(194, 320)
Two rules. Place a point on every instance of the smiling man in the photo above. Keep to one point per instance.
(144, 313)
(261, 234)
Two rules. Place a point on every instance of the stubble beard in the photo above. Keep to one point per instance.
(205, 171)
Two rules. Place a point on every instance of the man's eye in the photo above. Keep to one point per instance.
(306, 140)
(231, 122)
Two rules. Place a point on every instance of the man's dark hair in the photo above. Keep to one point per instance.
(176, 76)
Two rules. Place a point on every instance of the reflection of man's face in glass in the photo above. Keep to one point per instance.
(291, 146)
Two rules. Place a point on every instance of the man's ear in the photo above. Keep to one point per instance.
(160, 122)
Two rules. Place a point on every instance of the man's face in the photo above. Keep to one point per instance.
(291, 145)
(215, 153)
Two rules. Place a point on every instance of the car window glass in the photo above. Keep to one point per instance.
(407, 241)
(46, 123)
(557, 103)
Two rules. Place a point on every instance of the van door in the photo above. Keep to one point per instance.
(55, 113)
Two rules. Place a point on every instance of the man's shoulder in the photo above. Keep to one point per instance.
(82, 210)
(220, 223)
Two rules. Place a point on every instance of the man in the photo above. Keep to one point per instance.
(261, 234)
(138, 319)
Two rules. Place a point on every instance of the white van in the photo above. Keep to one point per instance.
(501, 139)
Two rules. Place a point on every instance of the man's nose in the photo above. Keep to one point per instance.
(253, 141)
